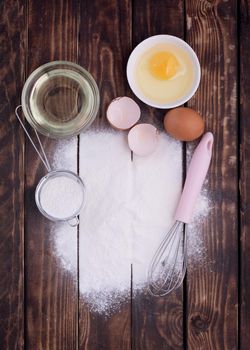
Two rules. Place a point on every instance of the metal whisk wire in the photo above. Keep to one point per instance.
(163, 283)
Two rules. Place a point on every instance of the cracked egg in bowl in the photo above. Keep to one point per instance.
(163, 71)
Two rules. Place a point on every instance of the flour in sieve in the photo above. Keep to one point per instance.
(61, 197)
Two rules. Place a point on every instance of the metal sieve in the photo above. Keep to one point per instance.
(71, 219)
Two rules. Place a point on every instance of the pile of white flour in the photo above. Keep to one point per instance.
(129, 208)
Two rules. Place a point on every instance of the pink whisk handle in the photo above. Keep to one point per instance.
(196, 174)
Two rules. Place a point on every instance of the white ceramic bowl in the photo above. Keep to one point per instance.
(147, 44)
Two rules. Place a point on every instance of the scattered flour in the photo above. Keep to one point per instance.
(129, 208)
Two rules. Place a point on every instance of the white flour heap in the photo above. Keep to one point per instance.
(129, 208)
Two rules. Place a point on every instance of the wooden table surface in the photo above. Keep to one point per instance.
(40, 304)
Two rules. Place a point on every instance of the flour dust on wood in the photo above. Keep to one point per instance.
(129, 208)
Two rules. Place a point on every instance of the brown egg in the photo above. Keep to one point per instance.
(184, 124)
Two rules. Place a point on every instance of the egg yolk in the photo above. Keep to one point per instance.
(163, 65)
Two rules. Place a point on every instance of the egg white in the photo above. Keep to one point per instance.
(164, 91)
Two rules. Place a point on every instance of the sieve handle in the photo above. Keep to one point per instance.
(196, 174)
(73, 222)
(42, 156)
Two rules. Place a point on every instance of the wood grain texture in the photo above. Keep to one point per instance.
(12, 53)
(51, 292)
(39, 299)
(212, 284)
(244, 47)
(157, 323)
(104, 46)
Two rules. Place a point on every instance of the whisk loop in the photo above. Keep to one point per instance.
(168, 266)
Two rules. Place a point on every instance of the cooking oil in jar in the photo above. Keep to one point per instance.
(60, 99)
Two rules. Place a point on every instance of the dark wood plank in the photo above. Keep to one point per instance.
(12, 70)
(212, 286)
(104, 46)
(51, 293)
(244, 47)
(157, 322)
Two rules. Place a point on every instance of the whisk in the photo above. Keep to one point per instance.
(168, 266)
